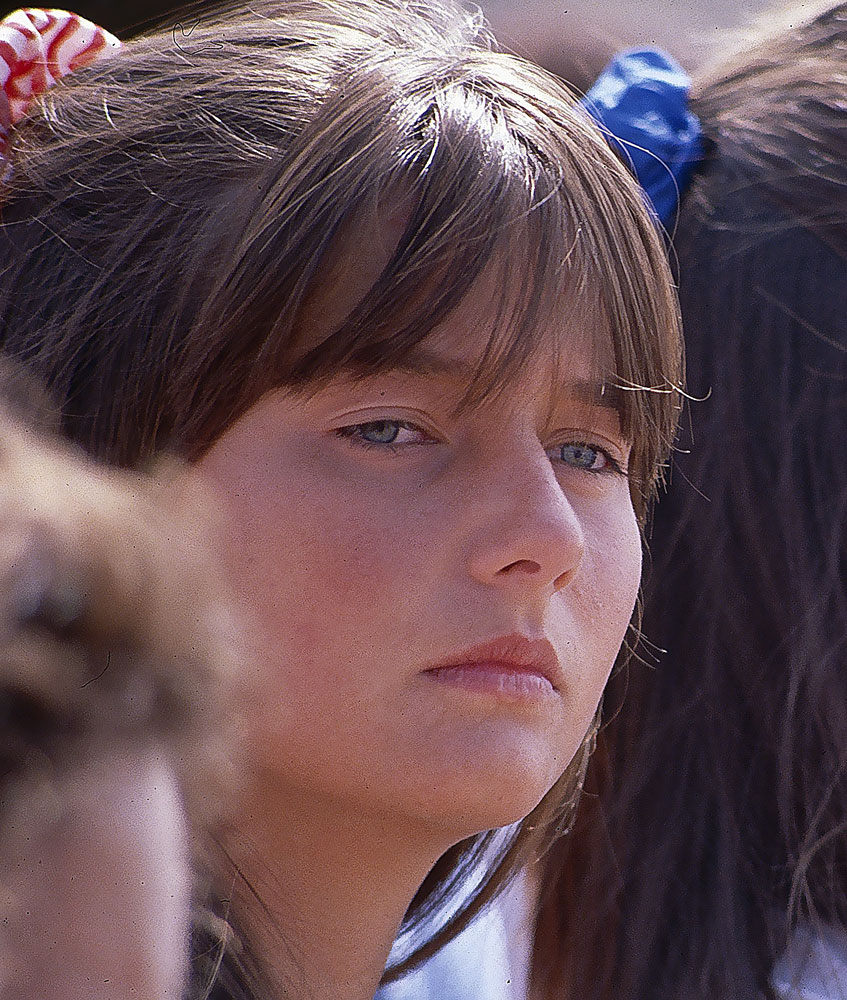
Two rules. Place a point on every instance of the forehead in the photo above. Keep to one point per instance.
(358, 254)
(489, 320)
(363, 248)
(515, 322)
(486, 344)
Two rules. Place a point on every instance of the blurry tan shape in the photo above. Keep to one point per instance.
(575, 38)
(117, 707)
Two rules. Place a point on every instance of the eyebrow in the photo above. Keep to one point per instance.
(424, 361)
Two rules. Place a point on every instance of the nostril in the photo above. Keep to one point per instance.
(522, 566)
(564, 579)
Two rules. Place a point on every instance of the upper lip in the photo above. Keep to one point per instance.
(513, 651)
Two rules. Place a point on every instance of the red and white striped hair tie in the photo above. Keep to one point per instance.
(37, 48)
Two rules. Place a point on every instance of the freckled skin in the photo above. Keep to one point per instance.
(360, 564)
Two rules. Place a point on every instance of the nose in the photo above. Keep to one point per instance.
(529, 533)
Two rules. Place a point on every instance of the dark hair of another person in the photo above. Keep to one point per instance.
(171, 208)
(714, 819)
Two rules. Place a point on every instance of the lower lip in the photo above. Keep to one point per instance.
(500, 680)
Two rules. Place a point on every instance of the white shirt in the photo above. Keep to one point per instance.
(814, 967)
(489, 960)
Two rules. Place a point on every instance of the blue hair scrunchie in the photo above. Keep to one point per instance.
(640, 102)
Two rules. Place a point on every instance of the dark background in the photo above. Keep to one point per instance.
(123, 17)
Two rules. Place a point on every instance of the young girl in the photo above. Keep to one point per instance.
(392, 296)
(710, 861)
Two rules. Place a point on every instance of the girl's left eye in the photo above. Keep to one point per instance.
(384, 432)
(584, 456)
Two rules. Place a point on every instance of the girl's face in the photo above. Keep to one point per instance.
(435, 598)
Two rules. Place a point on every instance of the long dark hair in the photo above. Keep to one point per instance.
(715, 819)
(169, 211)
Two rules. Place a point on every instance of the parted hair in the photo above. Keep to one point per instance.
(169, 212)
(716, 820)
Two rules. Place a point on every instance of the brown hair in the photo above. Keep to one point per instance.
(170, 210)
(716, 819)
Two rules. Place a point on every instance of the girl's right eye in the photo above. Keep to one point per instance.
(384, 433)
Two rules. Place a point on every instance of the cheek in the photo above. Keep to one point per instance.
(614, 563)
(608, 587)
(324, 570)
(622, 568)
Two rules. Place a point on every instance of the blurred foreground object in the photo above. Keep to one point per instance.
(116, 718)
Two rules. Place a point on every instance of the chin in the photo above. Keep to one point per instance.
(487, 784)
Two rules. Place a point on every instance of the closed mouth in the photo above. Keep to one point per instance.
(511, 656)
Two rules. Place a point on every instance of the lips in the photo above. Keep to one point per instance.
(510, 654)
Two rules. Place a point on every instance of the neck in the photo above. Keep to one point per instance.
(320, 891)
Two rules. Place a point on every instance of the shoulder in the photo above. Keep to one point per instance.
(814, 966)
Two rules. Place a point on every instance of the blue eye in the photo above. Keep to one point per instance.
(580, 455)
(376, 433)
(379, 431)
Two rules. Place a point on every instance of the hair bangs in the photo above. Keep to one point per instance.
(471, 209)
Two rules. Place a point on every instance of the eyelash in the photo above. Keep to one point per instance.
(354, 434)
